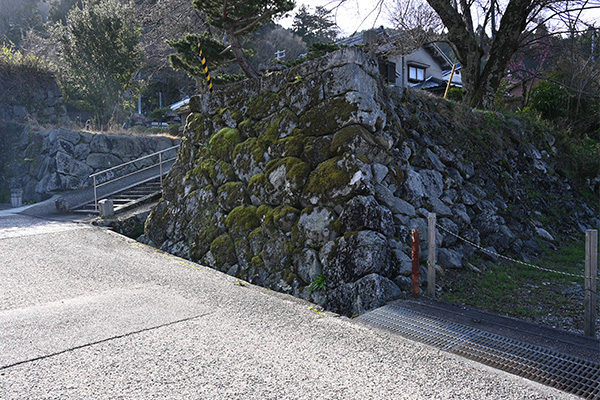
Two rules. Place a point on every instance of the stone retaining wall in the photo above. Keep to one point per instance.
(62, 159)
(310, 182)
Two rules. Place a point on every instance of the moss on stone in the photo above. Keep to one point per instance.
(396, 175)
(223, 143)
(207, 226)
(195, 124)
(237, 116)
(326, 177)
(242, 220)
(296, 170)
(258, 183)
(247, 127)
(327, 117)
(223, 250)
(289, 276)
(264, 213)
(337, 226)
(217, 120)
(195, 175)
(283, 211)
(316, 150)
(285, 217)
(350, 136)
(291, 146)
(268, 130)
(266, 217)
(257, 261)
(251, 146)
(231, 195)
(218, 171)
(256, 239)
(263, 105)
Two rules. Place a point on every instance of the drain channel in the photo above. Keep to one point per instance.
(567, 373)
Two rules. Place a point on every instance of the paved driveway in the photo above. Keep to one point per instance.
(88, 314)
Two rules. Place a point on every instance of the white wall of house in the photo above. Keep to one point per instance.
(419, 59)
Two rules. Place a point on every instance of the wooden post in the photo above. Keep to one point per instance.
(431, 260)
(591, 278)
(415, 263)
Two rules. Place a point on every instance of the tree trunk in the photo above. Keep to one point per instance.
(238, 52)
(505, 44)
(480, 86)
(468, 51)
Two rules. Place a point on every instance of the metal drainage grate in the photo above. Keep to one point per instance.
(570, 374)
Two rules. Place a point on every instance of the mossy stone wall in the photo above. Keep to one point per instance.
(318, 174)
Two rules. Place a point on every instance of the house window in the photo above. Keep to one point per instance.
(388, 71)
(416, 74)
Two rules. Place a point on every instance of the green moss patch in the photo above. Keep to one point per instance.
(296, 170)
(223, 251)
(263, 105)
(285, 217)
(328, 175)
(223, 143)
(242, 220)
(291, 146)
(246, 127)
(327, 117)
(253, 147)
(316, 150)
(231, 195)
(196, 123)
(218, 171)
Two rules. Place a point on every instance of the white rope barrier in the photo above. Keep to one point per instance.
(508, 258)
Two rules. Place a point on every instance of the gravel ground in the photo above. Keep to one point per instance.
(86, 313)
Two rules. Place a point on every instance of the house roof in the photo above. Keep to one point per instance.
(432, 83)
(387, 38)
(175, 106)
(358, 38)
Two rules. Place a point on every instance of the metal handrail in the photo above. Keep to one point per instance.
(160, 164)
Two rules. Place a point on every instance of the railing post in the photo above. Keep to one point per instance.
(415, 263)
(95, 195)
(431, 218)
(591, 277)
(160, 166)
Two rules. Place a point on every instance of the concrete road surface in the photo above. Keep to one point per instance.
(88, 314)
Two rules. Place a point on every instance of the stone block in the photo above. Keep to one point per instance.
(106, 208)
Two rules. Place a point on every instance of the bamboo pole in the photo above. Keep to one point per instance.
(450, 80)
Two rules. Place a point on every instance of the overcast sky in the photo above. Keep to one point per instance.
(357, 15)
(351, 16)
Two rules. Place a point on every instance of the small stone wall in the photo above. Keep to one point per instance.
(39, 98)
(62, 159)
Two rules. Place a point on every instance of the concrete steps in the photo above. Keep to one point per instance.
(126, 198)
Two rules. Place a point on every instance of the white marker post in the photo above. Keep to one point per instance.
(591, 280)
(431, 260)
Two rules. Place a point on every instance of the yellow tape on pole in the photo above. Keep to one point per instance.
(203, 61)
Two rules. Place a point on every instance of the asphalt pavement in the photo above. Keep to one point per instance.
(88, 314)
